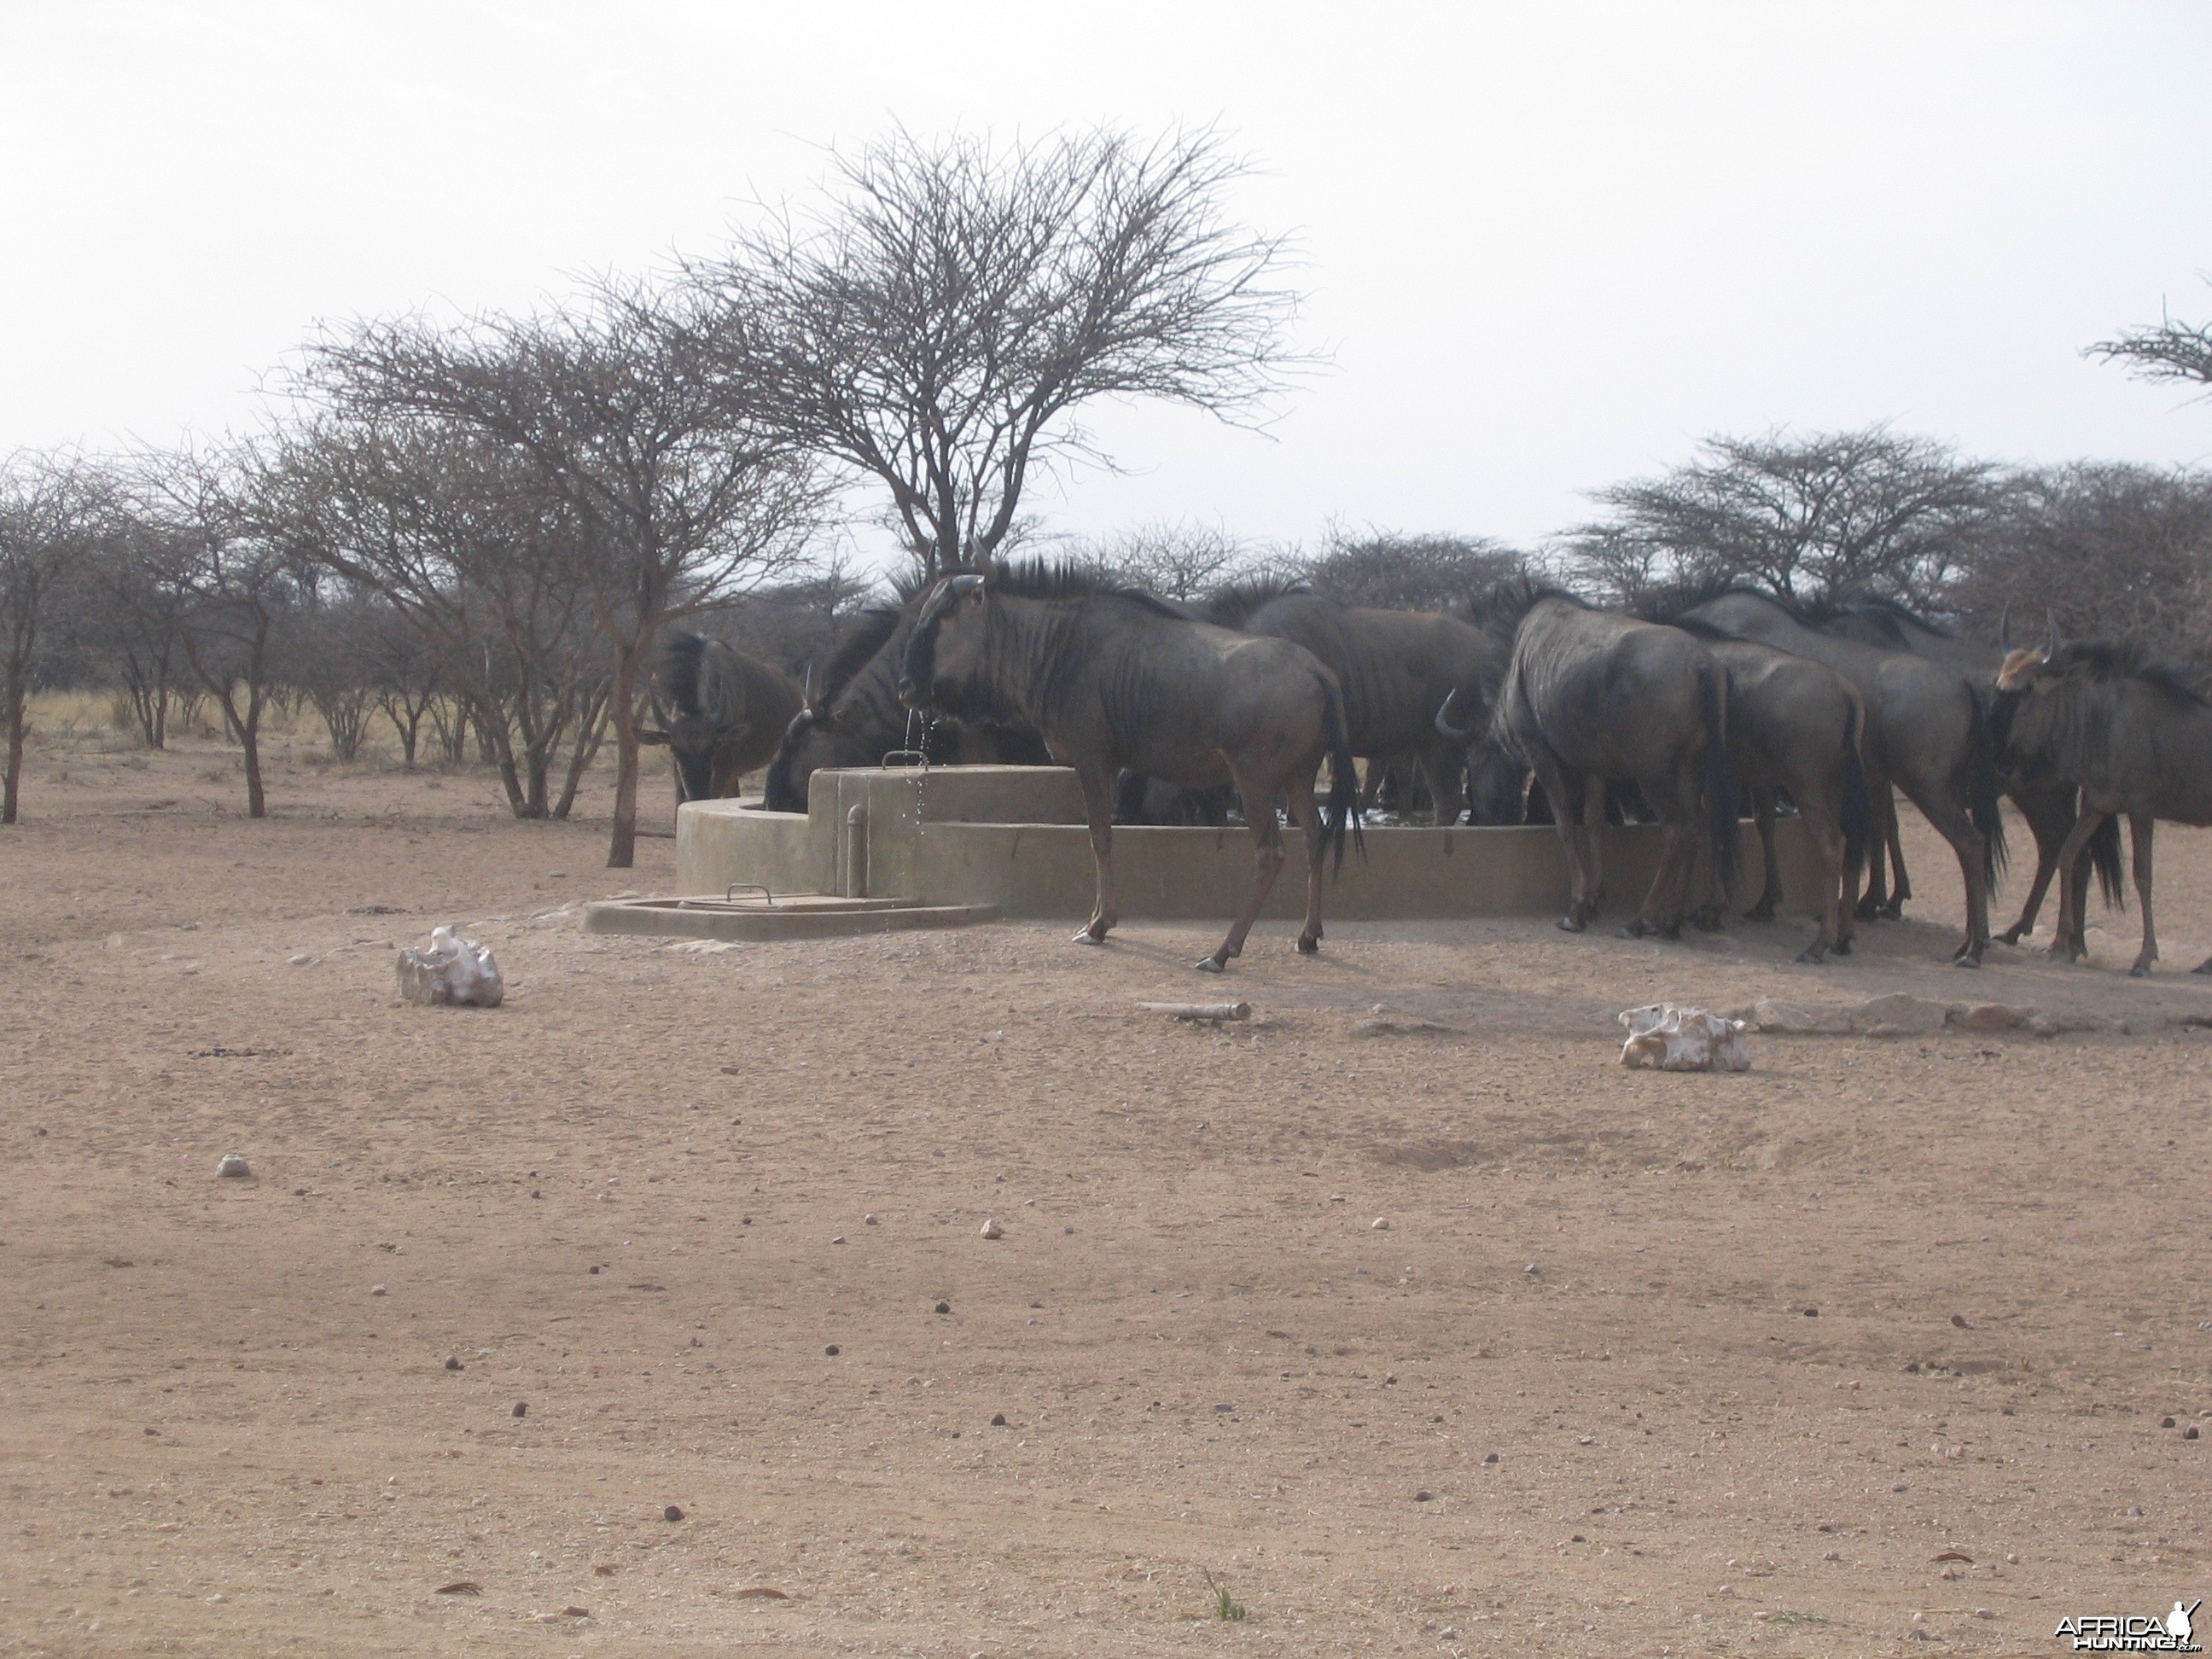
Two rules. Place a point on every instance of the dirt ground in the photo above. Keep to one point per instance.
(1868, 1349)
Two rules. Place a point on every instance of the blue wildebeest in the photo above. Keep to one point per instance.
(1927, 733)
(2047, 805)
(724, 715)
(855, 718)
(1395, 667)
(1584, 697)
(2132, 734)
(1115, 679)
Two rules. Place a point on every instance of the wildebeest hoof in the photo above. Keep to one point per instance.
(1571, 923)
(1093, 934)
(1893, 911)
(1968, 959)
(2011, 935)
(1307, 946)
(1813, 955)
(1867, 909)
(1210, 965)
(1843, 947)
(2203, 967)
(2140, 971)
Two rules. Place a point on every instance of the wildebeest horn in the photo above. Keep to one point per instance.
(1457, 734)
(2004, 631)
(2050, 635)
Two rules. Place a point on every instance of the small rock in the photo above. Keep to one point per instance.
(869, 1218)
(671, 1513)
(454, 1364)
(1380, 1224)
(1531, 1268)
(2190, 1433)
(1985, 1613)
(943, 1307)
(377, 1290)
(1812, 1313)
(2166, 1422)
(831, 1350)
(1959, 1320)
(521, 1409)
(1833, 1555)
(990, 1229)
(998, 1419)
(1490, 1457)
(1225, 1407)
(575, 1613)
(1423, 1496)
(232, 1163)
(839, 1239)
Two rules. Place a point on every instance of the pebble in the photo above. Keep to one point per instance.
(1985, 1613)
(521, 1409)
(869, 1218)
(1490, 1457)
(454, 1364)
(944, 1307)
(377, 1290)
(1380, 1224)
(2190, 1433)
(1531, 1268)
(998, 1419)
(1423, 1497)
(831, 1350)
(1959, 1320)
(671, 1513)
(839, 1239)
(2166, 1422)
(990, 1229)
(1225, 1407)
(232, 1163)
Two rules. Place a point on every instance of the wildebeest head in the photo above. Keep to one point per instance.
(814, 739)
(2027, 663)
(945, 650)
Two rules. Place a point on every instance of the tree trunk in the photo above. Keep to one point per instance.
(257, 803)
(589, 732)
(621, 849)
(10, 782)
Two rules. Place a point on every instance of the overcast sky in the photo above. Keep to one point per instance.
(1546, 246)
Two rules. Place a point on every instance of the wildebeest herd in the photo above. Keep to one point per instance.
(1525, 704)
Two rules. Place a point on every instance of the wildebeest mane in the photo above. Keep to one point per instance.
(1893, 614)
(870, 632)
(1232, 604)
(1666, 602)
(1504, 602)
(2106, 660)
(1072, 579)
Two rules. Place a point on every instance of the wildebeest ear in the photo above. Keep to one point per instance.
(2004, 631)
(2050, 635)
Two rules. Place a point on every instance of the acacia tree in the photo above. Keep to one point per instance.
(934, 321)
(456, 534)
(1809, 518)
(682, 497)
(1390, 570)
(233, 583)
(54, 511)
(2170, 351)
(133, 627)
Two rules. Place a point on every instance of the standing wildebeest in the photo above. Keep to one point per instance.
(1585, 696)
(1395, 667)
(1117, 678)
(2132, 734)
(2048, 805)
(726, 714)
(856, 719)
(1927, 733)
(1795, 724)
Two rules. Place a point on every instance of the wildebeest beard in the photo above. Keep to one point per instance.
(974, 697)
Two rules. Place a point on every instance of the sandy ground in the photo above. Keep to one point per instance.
(1867, 1350)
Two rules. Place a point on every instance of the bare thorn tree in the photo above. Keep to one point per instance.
(55, 510)
(1175, 561)
(1809, 519)
(935, 321)
(682, 496)
(2170, 351)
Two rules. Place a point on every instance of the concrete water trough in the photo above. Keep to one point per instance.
(1009, 840)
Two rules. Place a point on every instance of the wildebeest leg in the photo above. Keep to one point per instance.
(1096, 783)
(1552, 778)
(2050, 815)
(1593, 821)
(1900, 885)
(2065, 947)
(1441, 768)
(2141, 826)
(1298, 802)
(1941, 808)
(1824, 819)
(1762, 805)
(1267, 856)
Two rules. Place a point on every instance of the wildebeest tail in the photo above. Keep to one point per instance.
(2105, 856)
(1856, 809)
(1723, 791)
(1341, 811)
(1983, 803)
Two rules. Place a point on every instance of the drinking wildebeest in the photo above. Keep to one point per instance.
(2047, 805)
(855, 717)
(1927, 733)
(1584, 697)
(2132, 734)
(1396, 668)
(1115, 679)
(1795, 724)
(725, 715)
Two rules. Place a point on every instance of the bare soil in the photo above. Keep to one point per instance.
(1866, 1351)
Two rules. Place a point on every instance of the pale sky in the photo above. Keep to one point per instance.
(1547, 247)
